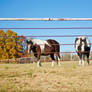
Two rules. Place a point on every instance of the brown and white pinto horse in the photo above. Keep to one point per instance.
(47, 47)
(82, 46)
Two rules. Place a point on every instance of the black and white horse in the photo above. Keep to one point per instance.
(47, 47)
(82, 46)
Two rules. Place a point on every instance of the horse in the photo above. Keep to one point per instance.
(44, 47)
(82, 46)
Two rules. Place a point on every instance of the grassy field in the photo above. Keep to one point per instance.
(29, 78)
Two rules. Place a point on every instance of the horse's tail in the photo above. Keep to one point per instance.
(56, 46)
(57, 53)
(57, 50)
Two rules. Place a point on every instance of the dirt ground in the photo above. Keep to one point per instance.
(69, 77)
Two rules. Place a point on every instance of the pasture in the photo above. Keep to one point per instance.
(29, 78)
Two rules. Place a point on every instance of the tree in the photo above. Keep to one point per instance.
(10, 45)
(2, 43)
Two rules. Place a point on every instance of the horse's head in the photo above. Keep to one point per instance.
(81, 43)
(29, 45)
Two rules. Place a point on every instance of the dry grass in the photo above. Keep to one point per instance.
(29, 78)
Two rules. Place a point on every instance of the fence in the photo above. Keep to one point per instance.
(50, 19)
(45, 19)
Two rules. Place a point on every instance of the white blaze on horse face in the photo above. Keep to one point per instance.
(83, 47)
(83, 43)
(29, 48)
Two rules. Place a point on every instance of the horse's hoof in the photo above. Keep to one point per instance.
(39, 65)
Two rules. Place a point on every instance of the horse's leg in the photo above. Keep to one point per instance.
(38, 60)
(88, 58)
(53, 59)
(82, 60)
(58, 62)
(79, 61)
(38, 63)
(58, 58)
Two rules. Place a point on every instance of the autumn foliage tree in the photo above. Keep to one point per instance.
(10, 45)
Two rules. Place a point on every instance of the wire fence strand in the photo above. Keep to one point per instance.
(51, 28)
(57, 35)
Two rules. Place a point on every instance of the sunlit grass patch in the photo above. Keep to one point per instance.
(29, 78)
(30, 74)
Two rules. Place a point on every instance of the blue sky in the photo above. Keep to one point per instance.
(48, 9)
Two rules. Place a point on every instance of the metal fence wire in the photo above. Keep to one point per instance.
(49, 19)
